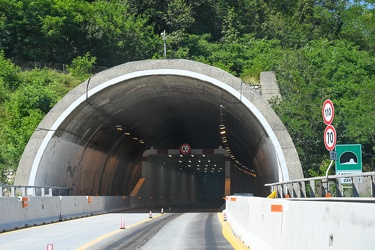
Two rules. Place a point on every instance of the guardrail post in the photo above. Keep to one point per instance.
(295, 189)
(302, 188)
(338, 185)
(42, 191)
(12, 191)
(279, 191)
(372, 186)
(50, 191)
(312, 189)
(355, 186)
(324, 186)
(286, 191)
(1, 191)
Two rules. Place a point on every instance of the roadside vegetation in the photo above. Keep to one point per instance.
(319, 49)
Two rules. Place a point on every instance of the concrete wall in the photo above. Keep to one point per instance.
(263, 223)
(42, 210)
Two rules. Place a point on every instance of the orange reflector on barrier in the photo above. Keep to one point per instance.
(233, 198)
(25, 201)
(276, 208)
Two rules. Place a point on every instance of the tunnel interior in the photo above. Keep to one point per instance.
(96, 144)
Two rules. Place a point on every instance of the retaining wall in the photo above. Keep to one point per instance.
(338, 223)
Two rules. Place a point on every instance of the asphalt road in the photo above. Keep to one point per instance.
(162, 231)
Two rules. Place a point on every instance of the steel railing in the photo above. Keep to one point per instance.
(14, 190)
(348, 185)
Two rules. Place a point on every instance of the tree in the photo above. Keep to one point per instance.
(336, 70)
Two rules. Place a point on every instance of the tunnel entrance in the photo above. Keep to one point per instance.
(94, 139)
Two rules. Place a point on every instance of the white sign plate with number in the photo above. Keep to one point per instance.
(328, 111)
(330, 137)
(349, 180)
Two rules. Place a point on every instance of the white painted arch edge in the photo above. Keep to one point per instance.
(282, 167)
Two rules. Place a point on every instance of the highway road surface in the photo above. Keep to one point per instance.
(125, 231)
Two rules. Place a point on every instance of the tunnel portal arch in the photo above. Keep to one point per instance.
(92, 140)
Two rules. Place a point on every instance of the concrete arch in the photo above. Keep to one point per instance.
(92, 140)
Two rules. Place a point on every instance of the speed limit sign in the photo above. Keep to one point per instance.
(328, 112)
(185, 149)
(330, 137)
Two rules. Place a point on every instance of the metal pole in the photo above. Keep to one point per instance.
(329, 167)
(164, 36)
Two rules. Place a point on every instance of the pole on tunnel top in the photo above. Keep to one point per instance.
(164, 36)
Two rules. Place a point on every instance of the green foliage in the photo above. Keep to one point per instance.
(24, 108)
(336, 70)
(82, 66)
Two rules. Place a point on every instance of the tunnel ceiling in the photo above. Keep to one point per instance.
(167, 111)
(111, 119)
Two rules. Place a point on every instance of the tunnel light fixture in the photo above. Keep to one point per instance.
(118, 127)
(135, 138)
(180, 161)
(198, 169)
(127, 133)
(181, 156)
(209, 161)
(189, 166)
(203, 155)
(192, 156)
(237, 164)
(170, 156)
(141, 141)
(189, 161)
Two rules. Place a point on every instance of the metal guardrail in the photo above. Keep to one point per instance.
(348, 185)
(13, 191)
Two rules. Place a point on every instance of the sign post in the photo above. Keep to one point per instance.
(328, 112)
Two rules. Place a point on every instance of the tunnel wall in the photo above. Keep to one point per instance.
(283, 224)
